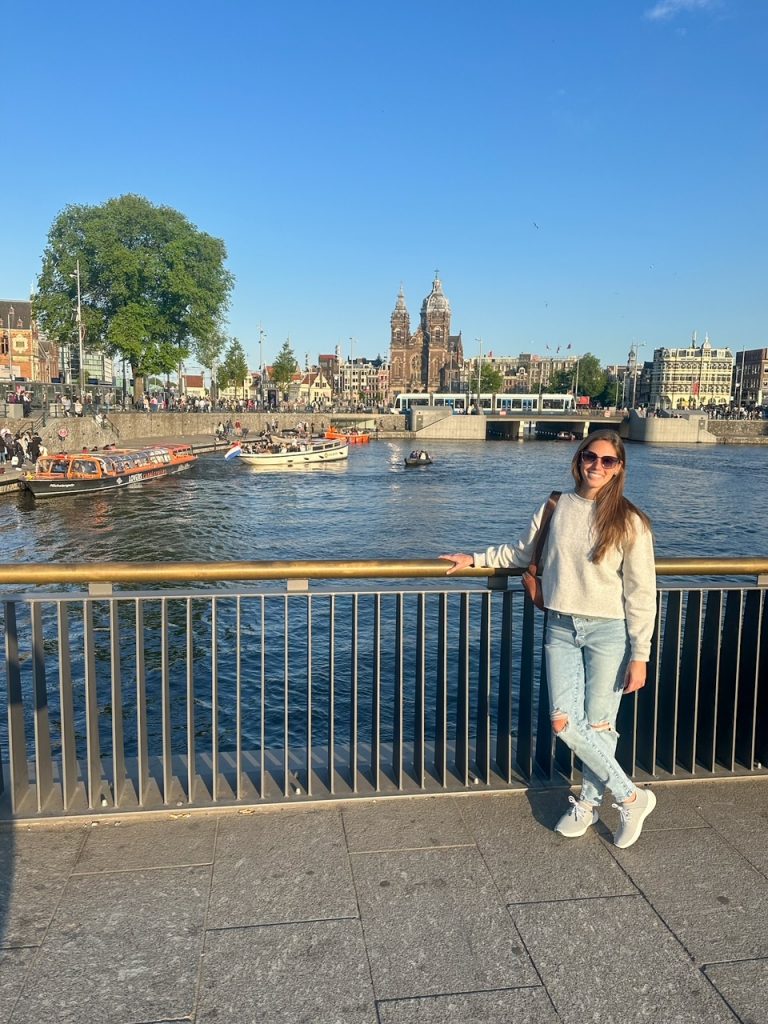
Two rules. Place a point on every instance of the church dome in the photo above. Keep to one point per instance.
(436, 302)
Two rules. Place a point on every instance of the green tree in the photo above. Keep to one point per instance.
(491, 379)
(234, 369)
(152, 285)
(284, 367)
(591, 377)
(586, 375)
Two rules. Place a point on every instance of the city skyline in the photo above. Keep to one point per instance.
(588, 177)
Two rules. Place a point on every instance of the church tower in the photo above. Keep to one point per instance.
(400, 345)
(431, 357)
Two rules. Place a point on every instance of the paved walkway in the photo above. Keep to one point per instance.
(429, 910)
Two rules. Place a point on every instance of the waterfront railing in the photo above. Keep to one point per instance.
(239, 684)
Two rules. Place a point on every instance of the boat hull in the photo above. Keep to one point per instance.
(46, 488)
(317, 455)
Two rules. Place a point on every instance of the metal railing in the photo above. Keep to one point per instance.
(156, 699)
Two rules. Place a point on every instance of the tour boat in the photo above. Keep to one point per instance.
(106, 470)
(292, 452)
(351, 436)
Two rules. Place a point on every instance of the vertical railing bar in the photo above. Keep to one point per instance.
(165, 701)
(286, 696)
(397, 737)
(418, 703)
(697, 683)
(17, 740)
(483, 720)
(376, 705)
(69, 767)
(142, 743)
(191, 752)
(441, 696)
(263, 702)
(43, 758)
(91, 709)
(353, 725)
(238, 699)
(462, 703)
(309, 695)
(214, 699)
(119, 772)
(504, 698)
(332, 694)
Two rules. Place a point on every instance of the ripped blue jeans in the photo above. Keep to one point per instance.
(586, 661)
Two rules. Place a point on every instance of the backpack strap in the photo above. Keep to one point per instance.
(541, 537)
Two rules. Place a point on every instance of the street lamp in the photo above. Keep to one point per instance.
(479, 372)
(262, 336)
(76, 276)
(11, 314)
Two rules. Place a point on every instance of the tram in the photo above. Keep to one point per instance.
(490, 404)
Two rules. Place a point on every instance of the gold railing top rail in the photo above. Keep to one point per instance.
(33, 574)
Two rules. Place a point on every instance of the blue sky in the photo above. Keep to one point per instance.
(591, 173)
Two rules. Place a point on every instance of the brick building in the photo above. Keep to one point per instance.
(431, 358)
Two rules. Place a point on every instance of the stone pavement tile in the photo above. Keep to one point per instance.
(414, 823)
(309, 973)
(521, 1005)
(529, 861)
(281, 867)
(706, 892)
(136, 845)
(612, 960)
(14, 964)
(34, 867)
(122, 948)
(434, 922)
(744, 985)
(738, 810)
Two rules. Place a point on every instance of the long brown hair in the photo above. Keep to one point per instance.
(613, 512)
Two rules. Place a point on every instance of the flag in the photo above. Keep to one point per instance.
(233, 451)
(557, 349)
(568, 345)
(547, 347)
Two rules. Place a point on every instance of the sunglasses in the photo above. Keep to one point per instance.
(608, 461)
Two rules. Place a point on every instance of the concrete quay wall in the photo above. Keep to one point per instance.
(693, 429)
(126, 429)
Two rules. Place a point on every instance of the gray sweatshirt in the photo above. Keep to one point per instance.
(621, 586)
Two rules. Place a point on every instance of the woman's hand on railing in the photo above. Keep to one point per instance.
(460, 561)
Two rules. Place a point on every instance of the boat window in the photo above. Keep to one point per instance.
(85, 467)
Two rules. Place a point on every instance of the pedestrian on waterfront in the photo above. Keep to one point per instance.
(599, 588)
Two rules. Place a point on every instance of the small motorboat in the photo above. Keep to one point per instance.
(418, 458)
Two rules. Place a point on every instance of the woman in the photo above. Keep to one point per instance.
(599, 587)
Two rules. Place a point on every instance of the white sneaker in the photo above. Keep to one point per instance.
(632, 817)
(577, 819)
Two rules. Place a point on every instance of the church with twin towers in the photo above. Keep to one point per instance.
(430, 358)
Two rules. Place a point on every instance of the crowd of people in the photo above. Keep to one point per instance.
(26, 446)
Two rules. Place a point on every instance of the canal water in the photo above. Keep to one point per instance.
(703, 500)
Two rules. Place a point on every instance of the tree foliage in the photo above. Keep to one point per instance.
(234, 369)
(586, 375)
(284, 366)
(491, 379)
(152, 285)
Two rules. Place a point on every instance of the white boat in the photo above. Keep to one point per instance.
(287, 452)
